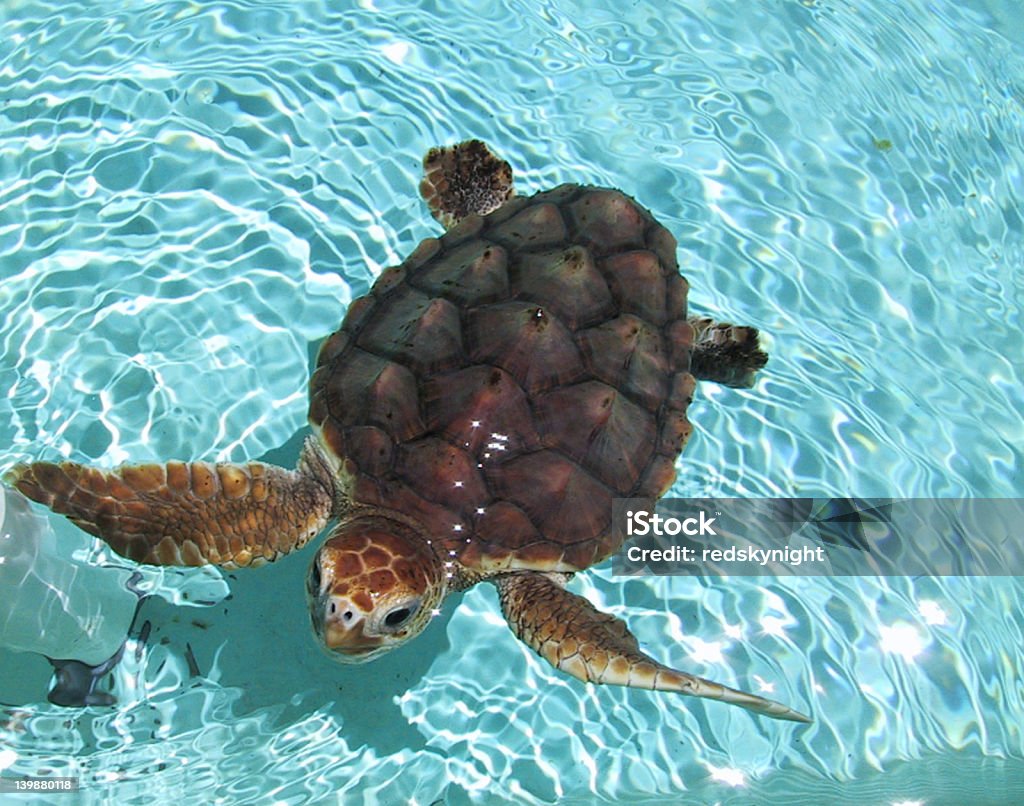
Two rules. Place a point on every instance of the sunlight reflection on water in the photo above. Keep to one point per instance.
(194, 192)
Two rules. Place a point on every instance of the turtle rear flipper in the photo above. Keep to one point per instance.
(462, 179)
(595, 647)
(193, 513)
(724, 353)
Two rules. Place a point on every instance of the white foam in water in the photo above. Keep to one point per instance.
(190, 196)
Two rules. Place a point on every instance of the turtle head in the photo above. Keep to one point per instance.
(374, 584)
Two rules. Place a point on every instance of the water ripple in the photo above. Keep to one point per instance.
(190, 195)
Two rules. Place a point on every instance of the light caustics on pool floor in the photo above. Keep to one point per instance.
(189, 197)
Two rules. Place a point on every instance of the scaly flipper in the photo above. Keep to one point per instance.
(189, 514)
(574, 636)
(724, 353)
(463, 179)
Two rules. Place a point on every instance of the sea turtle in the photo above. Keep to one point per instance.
(473, 419)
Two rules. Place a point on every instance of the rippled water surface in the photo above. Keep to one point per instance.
(190, 195)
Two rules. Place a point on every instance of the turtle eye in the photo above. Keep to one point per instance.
(399, 616)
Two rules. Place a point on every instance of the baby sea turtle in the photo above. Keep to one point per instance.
(474, 417)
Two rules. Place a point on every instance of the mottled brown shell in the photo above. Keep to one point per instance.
(513, 377)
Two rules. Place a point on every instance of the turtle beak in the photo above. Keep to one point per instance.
(340, 625)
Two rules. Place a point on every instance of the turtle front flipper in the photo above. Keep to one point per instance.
(574, 636)
(189, 513)
(724, 353)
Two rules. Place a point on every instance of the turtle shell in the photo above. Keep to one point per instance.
(514, 376)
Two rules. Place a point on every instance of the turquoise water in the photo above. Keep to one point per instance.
(191, 193)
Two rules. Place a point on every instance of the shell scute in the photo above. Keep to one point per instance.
(681, 391)
(638, 285)
(437, 520)
(468, 227)
(478, 407)
(439, 472)
(674, 432)
(680, 340)
(471, 274)
(389, 280)
(536, 349)
(501, 534)
(366, 389)
(677, 290)
(608, 221)
(370, 448)
(427, 249)
(420, 331)
(612, 437)
(629, 354)
(358, 312)
(657, 479)
(566, 503)
(663, 243)
(567, 282)
(511, 378)
(560, 196)
(538, 226)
